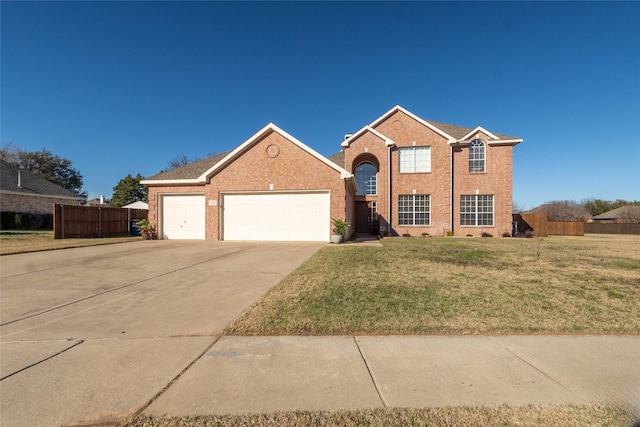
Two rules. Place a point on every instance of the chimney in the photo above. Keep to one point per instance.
(19, 179)
(102, 199)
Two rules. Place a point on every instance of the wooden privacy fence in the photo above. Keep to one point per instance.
(70, 221)
(598, 228)
(539, 226)
(565, 228)
(536, 224)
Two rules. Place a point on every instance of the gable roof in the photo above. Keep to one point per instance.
(623, 212)
(453, 133)
(338, 158)
(200, 171)
(188, 171)
(387, 141)
(14, 180)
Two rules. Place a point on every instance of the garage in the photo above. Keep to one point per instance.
(183, 216)
(285, 216)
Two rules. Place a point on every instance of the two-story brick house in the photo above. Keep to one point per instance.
(398, 175)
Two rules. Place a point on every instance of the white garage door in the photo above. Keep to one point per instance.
(277, 216)
(183, 217)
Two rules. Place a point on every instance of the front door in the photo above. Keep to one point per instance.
(364, 214)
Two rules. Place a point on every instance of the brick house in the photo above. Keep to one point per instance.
(23, 192)
(398, 175)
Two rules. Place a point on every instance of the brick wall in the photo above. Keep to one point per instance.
(31, 204)
(272, 163)
(407, 132)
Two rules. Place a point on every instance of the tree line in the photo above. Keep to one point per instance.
(570, 210)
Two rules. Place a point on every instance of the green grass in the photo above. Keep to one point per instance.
(457, 286)
(532, 416)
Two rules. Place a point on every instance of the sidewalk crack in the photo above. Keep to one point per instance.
(41, 361)
(170, 383)
(373, 379)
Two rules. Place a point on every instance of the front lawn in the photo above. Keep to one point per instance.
(557, 285)
(21, 241)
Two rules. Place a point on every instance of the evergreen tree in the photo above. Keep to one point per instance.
(128, 190)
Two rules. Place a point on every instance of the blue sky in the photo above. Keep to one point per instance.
(124, 87)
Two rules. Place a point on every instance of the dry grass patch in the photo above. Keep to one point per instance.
(557, 416)
(557, 285)
(16, 242)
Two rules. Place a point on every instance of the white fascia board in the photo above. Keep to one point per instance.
(387, 141)
(271, 128)
(414, 117)
(169, 181)
(498, 142)
(506, 142)
(480, 129)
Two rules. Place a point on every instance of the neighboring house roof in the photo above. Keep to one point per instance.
(199, 172)
(623, 212)
(22, 182)
(137, 205)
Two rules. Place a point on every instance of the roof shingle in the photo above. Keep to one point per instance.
(30, 184)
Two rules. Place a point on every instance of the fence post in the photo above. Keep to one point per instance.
(62, 219)
(99, 221)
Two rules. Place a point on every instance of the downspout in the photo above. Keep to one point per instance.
(452, 192)
(389, 210)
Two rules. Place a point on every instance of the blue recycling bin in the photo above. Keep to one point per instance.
(134, 230)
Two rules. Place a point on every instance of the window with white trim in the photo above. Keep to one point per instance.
(476, 210)
(414, 209)
(366, 179)
(477, 158)
(415, 159)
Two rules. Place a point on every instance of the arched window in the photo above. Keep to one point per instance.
(366, 179)
(477, 158)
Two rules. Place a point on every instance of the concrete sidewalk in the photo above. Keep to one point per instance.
(266, 374)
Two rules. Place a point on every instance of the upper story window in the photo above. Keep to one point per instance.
(415, 159)
(366, 179)
(477, 158)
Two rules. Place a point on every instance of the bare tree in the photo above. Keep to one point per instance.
(178, 161)
(564, 210)
(10, 153)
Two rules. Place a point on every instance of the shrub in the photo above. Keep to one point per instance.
(406, 235)
(506, 234)
(485, 234)
(340, 227)
(25, 221)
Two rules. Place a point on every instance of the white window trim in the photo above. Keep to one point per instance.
(484, 157)
(368, 182)
(476, 212)
(414, 149)
(413, 212)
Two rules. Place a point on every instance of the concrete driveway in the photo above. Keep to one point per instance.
(90, 335)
